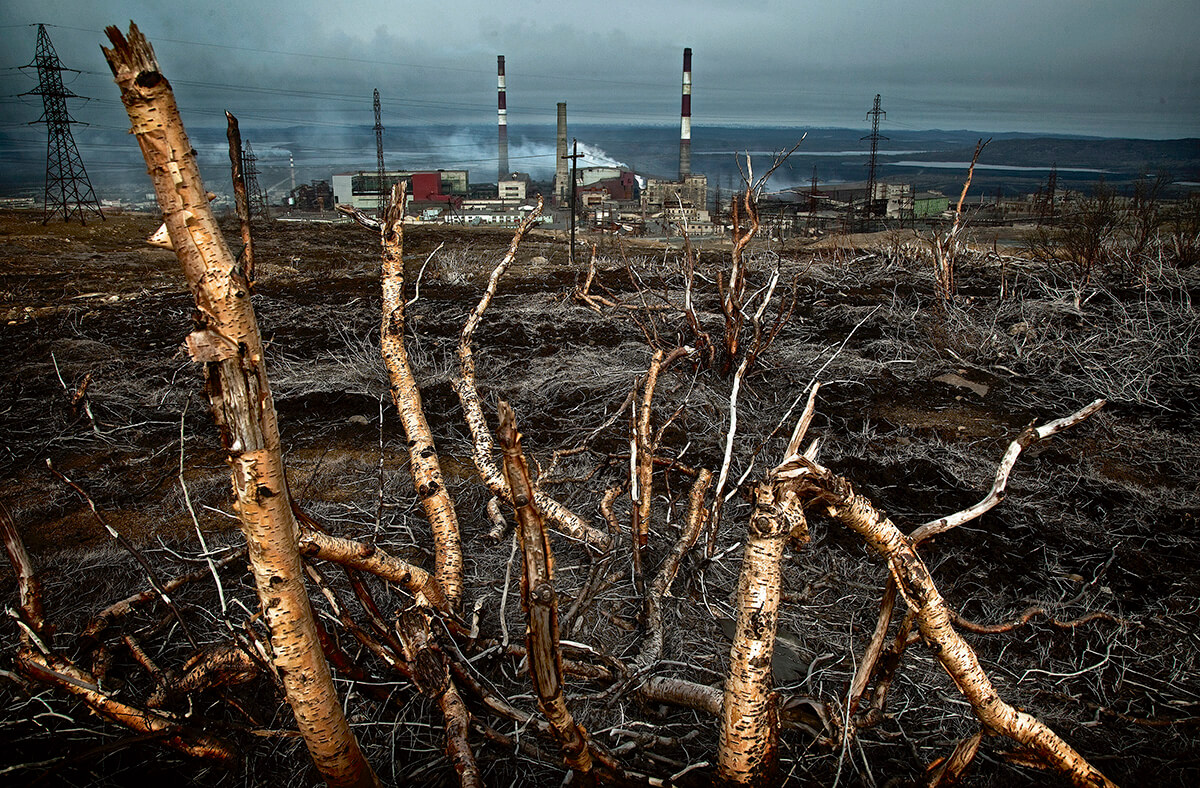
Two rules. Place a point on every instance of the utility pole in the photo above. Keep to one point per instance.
(574, 157)
(383, 190)
(1051, 186)
(874, 137)
(812, 199)
(68, 189)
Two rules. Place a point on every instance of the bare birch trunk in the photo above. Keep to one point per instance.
(749, 716)
(226, 339)
(426, 470)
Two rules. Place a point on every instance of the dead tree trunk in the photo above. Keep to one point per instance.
(426, 470)
(226, 340)
(934, 620)
(540, 602)
(749, 716)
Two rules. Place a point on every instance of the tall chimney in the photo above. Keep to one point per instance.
(685, 118)
(502, 119)
(562, 178)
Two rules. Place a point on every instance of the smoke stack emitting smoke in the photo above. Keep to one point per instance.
(685, 119)
(502, 118)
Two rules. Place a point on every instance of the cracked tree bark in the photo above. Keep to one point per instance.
(748, 752)
(226, 340)
(541, 603)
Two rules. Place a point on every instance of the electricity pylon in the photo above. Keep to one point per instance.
(874, 137)
(384, 194)
(68, 189)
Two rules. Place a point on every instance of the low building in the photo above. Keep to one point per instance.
(362, 189)
(476, 215)
(660, 192)
(927, 204)
(513, 191)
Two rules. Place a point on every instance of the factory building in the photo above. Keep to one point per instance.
(361, 189)
(661, 192)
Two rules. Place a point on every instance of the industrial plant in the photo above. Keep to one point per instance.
(612, 199)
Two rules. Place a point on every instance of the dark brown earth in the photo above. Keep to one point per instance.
(1101, 518)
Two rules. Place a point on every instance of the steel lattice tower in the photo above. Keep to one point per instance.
(68, 189)
(874, 137)
(257, 197)
(383, 190)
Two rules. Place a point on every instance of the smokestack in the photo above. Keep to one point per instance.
(685, 118)
(502, 119)
(562, 180)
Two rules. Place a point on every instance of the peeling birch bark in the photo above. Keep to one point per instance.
(227, 340)
(29, 587)
(749, 716)
(426, 469)
(540, 601)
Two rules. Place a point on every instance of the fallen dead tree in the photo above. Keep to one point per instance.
(403, 635)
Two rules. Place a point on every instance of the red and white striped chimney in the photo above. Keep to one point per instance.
(685, 119)
(502, 120)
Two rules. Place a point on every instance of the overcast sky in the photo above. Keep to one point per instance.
(1097, 67)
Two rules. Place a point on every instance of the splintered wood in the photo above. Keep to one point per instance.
(229, 344)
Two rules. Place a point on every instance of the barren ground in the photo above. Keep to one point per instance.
(1099, 519)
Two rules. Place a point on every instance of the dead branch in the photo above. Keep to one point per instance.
(934, 620)
(152, 576)
(693, 525)
(432, 676)
(496, 517)
(240, 198)
(217, 666)
(227, 340)
(29, 587)
(190, 741)
(642, 467)
(424, 464)
(866, 665)
(1028, 614)
(468, 397)
(375, 560)
(122, 608)
(946, 247)
(947, 771)
(1023, 441)
(540, 601)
